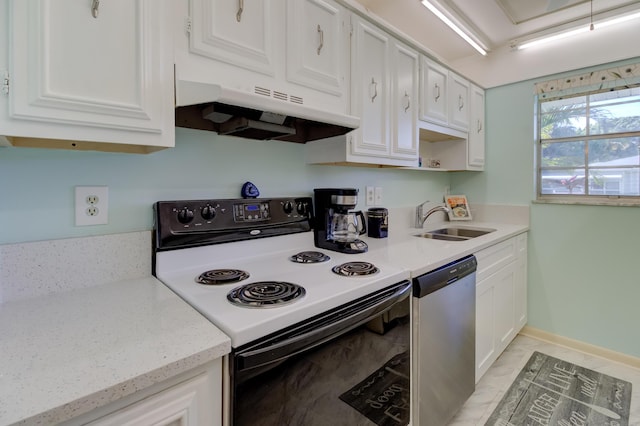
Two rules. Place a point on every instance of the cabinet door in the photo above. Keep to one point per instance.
(433, 90)
(370, 85)
(521, 282)
(476, 140)
(317, 45)
(236, 32)
(108, 71)
(485, 330)
(458, 102)
(404, 140)
(186, 404)
(495, 316)
(505, 316)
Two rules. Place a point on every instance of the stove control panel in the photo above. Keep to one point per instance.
(186, 223)
(251, 212)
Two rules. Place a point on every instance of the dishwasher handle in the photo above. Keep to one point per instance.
(432, 281)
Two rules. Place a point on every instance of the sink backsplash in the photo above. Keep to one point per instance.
(38, 268)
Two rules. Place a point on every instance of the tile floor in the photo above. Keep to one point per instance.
(499, 377)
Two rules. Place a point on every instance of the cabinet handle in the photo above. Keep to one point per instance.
(321, 34)
(240, 10)
(437, 92)
(460, 102)
(479, 126)
(95, 5)
(4, 88)
(373, 85)
(406, 96)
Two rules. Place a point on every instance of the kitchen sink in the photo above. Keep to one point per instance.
(455, 233)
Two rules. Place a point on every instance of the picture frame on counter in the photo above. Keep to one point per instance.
(458, 207)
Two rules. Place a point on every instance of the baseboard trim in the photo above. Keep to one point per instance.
(587, 348)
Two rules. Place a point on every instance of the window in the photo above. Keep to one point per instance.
(589, 147)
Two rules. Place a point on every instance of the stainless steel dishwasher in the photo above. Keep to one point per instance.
(444, 305)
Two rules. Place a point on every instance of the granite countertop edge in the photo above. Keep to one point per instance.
(68, 353)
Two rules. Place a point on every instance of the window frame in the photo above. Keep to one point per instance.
(588, 199)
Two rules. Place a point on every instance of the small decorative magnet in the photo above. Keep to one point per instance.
(249, 190)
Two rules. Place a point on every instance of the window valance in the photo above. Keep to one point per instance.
(590, 82)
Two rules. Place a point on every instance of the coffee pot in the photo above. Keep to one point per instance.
(346, 227)
(336, 227)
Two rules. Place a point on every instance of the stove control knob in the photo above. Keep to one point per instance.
(302, 208)
(208, 212)
(288, 207)
(185, 215)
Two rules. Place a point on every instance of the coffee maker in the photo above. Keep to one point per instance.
(335, 227)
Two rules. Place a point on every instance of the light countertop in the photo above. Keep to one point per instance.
(420, 255)
(67, 353)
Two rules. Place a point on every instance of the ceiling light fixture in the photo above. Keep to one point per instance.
(583, 29)
(454, 27)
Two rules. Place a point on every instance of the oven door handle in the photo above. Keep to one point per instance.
(322, 329)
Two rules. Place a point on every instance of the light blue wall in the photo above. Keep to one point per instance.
(582, 278)
(37, 185)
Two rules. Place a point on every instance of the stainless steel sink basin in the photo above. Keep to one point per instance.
(455, 233)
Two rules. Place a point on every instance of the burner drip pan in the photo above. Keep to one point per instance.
(309, 257)
(222, 276)
(351, 269)
(265, 294)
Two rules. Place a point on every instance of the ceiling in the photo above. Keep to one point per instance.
(495, 23)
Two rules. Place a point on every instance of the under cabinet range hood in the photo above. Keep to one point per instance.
(263, 115)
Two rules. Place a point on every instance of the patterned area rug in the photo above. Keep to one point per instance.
(384, 396)
(550, 391)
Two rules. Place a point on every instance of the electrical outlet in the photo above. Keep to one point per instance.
(92, 205)
(378, 195)
(447, 190)
(370, 196)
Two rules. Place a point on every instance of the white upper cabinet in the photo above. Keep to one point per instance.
(444, 96)
(434, 80)
(294, 51)
(236, 33)
(384, 94)
(458, 102)
(370, 84)
(404, 103)
(317, 45)
(476, 141)
(80, 74)
(451, 119)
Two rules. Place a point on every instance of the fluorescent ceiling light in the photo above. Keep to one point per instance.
(584, 29)
(454, 27)
(554, 37)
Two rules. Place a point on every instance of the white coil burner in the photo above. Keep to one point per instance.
(265, 294)
(222, 276)
(309, 257)
(351, 269)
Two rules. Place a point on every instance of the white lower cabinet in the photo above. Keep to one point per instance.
(501, 301)
(192, 399)
(521, 281)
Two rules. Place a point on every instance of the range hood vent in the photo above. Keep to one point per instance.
(262, 116)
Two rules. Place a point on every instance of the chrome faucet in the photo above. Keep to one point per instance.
(422, 217)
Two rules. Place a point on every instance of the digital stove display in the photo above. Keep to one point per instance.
(251, 212)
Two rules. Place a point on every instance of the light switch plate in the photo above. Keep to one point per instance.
(378, 195)
(92, 205)
(370, 196)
